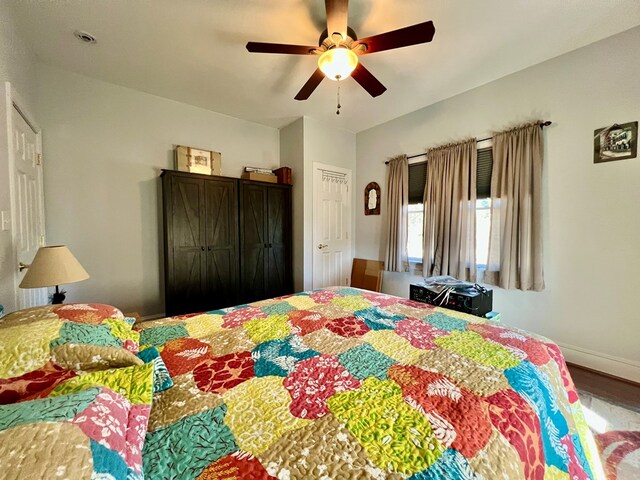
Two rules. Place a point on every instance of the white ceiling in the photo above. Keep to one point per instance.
(193, 51)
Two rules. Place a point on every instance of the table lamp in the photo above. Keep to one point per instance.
(53, 266)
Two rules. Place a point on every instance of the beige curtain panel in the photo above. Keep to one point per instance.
(397, 214)
(515, 243)
(449, 245)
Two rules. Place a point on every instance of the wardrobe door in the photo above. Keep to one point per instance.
(221, 205)
(185, 239)
(253, 241)
(278, 252)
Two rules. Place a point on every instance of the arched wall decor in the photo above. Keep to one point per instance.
(372, 199)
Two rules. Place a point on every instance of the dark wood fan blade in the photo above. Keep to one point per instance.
(308, 88)
(337, 16)
(403, 37)
(366, 79)
(260, 47)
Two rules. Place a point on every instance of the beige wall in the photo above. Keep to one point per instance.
(104, 146)
(590, 212)
(324, 143)
(17, 66)
(303, 143)
(292, 155)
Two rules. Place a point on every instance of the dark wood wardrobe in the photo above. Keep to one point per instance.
(227, 241)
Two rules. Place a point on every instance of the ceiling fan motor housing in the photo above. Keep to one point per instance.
(351, 34)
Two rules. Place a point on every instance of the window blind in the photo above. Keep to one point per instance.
(483, 173)
(417, 180)
(418, 177)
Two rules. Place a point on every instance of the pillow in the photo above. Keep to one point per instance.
(75, 312)
(73, 337)
(161, 378)
(91, 426)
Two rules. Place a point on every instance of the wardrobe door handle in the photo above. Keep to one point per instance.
(202, 248)
(271, 245)
(209, 248)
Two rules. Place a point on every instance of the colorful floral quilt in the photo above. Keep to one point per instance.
(43, 346)
(343, 383)
(74, 398)
(91, 426)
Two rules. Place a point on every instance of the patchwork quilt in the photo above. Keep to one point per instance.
(343, 383)
(91, 426)
(74, 398)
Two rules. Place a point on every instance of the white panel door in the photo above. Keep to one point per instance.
(27, 203)
(331, 226)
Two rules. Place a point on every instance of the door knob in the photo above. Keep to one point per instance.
(321, 246)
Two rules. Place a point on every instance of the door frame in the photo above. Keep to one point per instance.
(318, 166)
(13, 100)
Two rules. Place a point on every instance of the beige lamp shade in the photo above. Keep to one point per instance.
(52, 266)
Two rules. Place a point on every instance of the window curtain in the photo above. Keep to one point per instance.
(397, 211)
(515, 243)
(449, 245)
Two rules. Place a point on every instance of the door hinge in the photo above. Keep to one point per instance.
(38, 159)
(41, 241)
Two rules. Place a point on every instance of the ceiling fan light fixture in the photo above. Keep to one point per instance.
(338, 63)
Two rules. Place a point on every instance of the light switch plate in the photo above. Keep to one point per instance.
(5, 220)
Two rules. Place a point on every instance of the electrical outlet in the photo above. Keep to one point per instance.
(5, 220)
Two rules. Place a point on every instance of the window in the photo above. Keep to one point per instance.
(414, 242)
(483, 228)
(417, 180)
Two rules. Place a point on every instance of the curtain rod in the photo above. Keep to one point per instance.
(542, 125)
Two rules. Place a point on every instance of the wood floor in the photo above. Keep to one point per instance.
(606, 386)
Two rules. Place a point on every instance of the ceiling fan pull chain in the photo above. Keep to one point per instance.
(339, 106)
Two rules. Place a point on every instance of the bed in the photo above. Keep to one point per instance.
(333, 383)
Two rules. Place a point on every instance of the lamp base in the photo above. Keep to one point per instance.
(58, 297)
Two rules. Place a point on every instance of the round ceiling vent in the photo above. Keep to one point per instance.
(84, 36)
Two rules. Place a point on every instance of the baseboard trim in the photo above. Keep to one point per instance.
(601, 362)
(602, 374)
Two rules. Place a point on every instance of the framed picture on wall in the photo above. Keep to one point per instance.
(617, 142)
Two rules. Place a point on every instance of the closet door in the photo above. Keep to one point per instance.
(278, 252)
(253, 241)
(221, 239)
(185, 266)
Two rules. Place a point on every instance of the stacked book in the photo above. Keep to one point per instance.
(264, 171)
(260, 174)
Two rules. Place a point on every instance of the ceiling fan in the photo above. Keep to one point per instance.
(339, 49)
